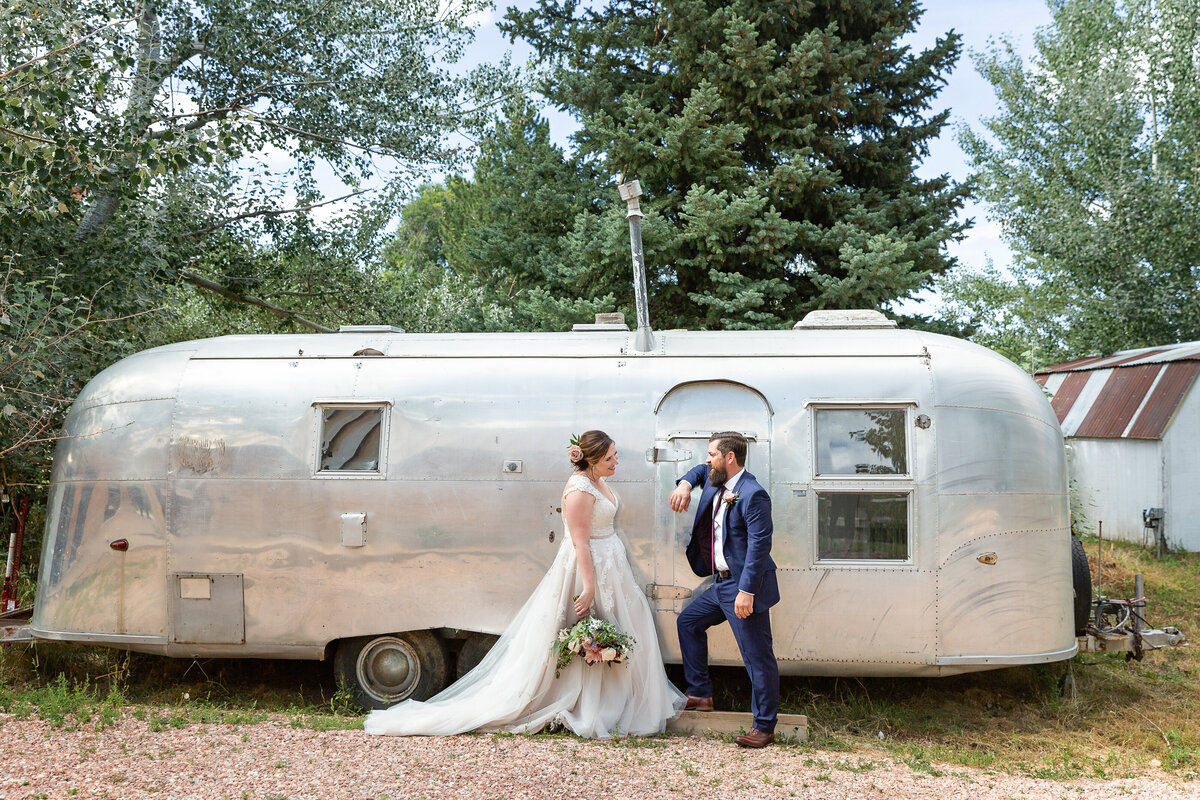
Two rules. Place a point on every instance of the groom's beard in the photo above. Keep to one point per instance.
(717, 475)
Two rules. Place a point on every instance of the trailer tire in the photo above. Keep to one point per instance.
(1081, 580)
(473, 650)
(380, 671)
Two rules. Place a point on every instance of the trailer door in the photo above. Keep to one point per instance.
(685, 419)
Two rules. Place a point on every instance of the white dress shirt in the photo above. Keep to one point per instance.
(719, 520)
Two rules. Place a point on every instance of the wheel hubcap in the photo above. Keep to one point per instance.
(388, 669)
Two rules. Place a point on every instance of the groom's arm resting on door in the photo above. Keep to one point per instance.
(681, 498)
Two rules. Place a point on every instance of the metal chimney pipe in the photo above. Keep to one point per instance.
(643, 340)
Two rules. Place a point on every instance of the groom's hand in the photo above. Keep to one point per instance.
(681, 498)
(743, 605)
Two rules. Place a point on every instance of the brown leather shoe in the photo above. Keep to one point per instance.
(755, 738)
(698, 704)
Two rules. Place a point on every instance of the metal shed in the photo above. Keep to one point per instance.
(1132, 425)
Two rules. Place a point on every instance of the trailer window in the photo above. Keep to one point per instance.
(351, 439)
(862, 525)
(861, 441)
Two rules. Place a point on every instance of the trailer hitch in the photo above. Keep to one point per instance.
(1119, 626)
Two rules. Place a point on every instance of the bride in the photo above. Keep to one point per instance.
(514, 687)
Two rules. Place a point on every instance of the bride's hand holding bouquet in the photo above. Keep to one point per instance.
(583, 602)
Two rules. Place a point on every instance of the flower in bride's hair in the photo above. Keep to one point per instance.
(575, 452)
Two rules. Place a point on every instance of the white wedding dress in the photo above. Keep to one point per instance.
(514, 688)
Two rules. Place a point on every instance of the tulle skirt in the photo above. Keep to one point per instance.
(514, 687)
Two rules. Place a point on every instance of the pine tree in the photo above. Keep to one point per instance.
(776, 142)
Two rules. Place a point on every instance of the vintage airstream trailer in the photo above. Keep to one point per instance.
(389, 499)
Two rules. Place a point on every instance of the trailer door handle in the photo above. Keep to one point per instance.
(120, 544)
(656, 455)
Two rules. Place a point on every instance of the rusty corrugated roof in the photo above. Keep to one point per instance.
(1068, 366)
(1132, 394)
(1067, 393)
(1158, 412)
(1117, 402)
(1185, 351)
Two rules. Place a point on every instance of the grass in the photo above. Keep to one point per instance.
(69, 686)
(1128, 718)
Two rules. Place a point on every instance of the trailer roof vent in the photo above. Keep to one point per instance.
(850, 318)
(604, 322)
(370, 329)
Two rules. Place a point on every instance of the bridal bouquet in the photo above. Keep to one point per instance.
(597, 641)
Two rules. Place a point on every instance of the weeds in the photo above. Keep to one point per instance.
(64, 704)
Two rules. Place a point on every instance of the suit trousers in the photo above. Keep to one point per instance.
(753, 636)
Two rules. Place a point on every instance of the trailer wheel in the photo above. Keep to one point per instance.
(1081, 579)
(380, 671)
(473, 650)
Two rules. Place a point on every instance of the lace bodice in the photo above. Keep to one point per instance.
(604, 513)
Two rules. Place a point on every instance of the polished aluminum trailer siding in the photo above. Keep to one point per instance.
(205, 458)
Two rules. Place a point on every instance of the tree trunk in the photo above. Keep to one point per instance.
(147, 80)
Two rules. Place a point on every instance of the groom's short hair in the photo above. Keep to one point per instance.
(731, 442)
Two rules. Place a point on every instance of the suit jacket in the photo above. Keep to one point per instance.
(747, 543)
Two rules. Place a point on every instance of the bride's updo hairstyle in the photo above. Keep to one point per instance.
(593, 446)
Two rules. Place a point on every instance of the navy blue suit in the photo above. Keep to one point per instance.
(747, 550)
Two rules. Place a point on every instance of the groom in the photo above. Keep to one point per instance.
(731, 540)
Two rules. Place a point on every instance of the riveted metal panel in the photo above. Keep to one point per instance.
(990, 610)
(121, 441)
(981, 451)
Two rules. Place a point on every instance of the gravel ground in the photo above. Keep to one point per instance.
(274, 759)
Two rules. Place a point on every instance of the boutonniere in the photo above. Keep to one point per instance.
(729, 499)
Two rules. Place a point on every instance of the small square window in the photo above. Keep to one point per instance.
(862, 525)
(861, 441)
(351, 439)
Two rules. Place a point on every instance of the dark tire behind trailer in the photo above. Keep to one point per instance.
(1081, 579)
(473, 650)
(380, 671)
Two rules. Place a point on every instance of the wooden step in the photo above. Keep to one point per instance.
(698, 723)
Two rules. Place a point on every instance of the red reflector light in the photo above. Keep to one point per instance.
(120, 544)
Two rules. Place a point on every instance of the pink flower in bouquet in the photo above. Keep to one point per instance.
(592, 653)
